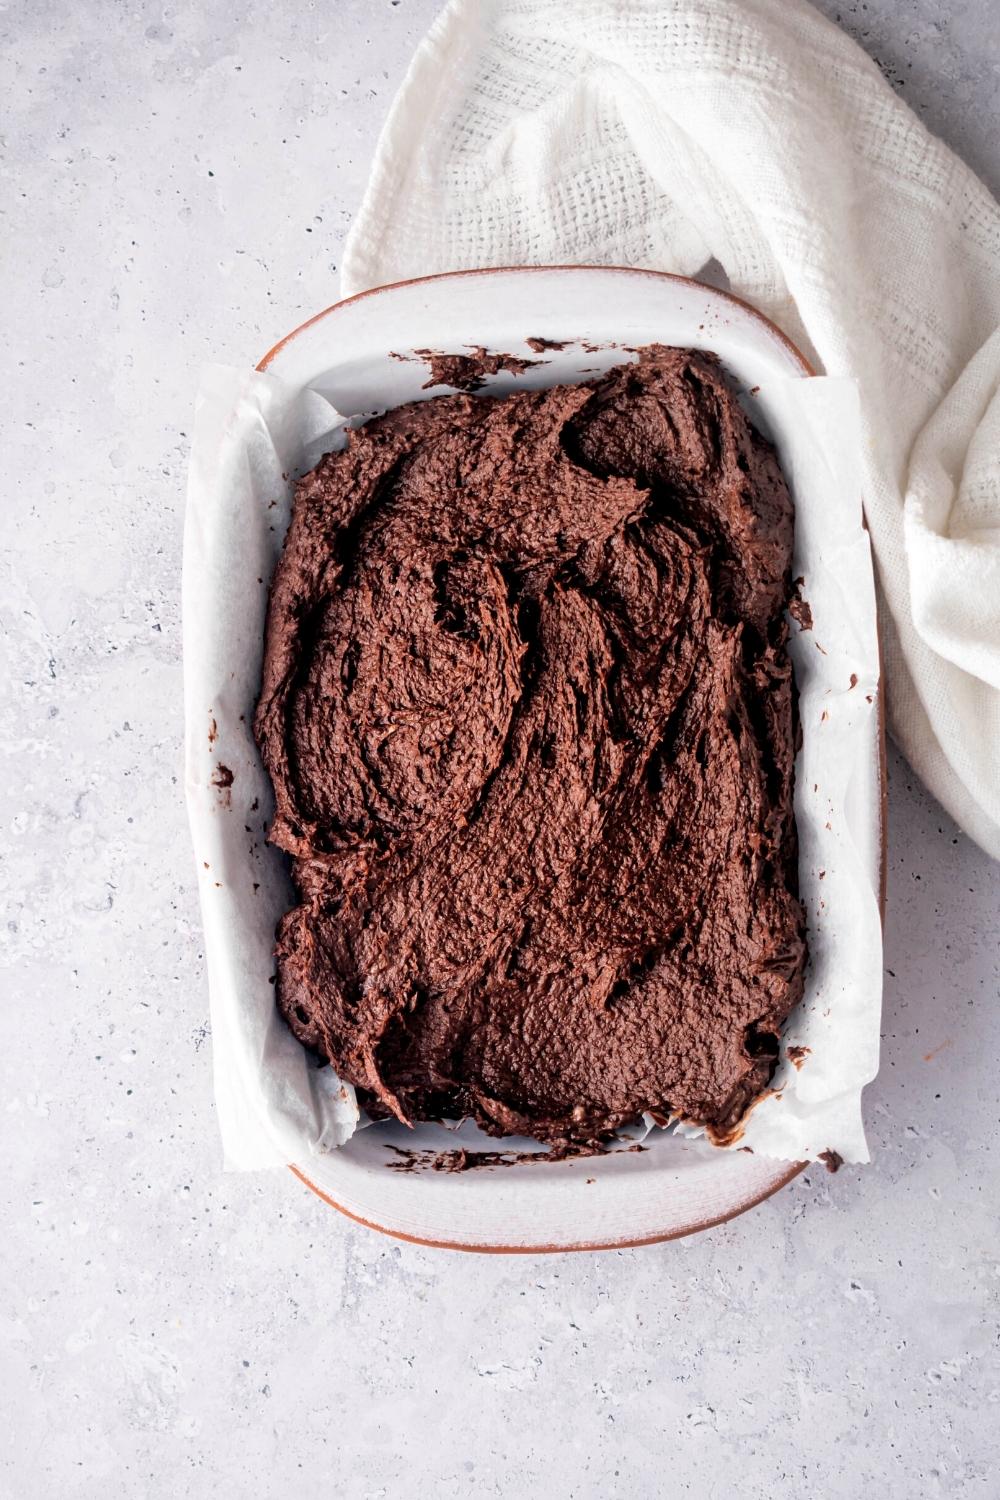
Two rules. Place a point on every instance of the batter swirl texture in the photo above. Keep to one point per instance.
(528, 713)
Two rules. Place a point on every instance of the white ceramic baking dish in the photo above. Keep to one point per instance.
(674, 1186)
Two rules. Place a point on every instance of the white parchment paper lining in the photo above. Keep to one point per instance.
(253, 436)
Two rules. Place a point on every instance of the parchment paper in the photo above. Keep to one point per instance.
(253, 436)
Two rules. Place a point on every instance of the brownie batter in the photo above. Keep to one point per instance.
(528, 713)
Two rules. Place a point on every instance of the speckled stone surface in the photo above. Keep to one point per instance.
(177, 184)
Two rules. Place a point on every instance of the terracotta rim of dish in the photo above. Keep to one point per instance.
(393, 286)
(797, 1167)
(627, 1243)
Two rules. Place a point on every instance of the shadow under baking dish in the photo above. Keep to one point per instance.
(390, 1178)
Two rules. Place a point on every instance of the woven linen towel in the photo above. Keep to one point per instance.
(666, 133)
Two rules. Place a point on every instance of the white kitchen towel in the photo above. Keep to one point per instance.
(665, 133)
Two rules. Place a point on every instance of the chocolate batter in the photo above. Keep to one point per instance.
(467, 372)
(528, 712)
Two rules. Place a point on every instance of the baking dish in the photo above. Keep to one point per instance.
(359, 356)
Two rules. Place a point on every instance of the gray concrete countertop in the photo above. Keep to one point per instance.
(179, 179)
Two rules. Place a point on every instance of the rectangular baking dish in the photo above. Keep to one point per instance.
(386, 1176)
